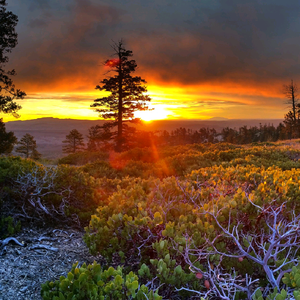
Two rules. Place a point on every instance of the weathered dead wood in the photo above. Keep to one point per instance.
(46, 238)
(33, 189)
(4, 242)
(42, 246)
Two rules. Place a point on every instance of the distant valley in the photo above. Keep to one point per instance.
(50, 132)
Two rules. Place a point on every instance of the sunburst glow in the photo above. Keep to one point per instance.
(157, 113)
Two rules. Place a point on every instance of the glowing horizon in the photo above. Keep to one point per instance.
(191, 102)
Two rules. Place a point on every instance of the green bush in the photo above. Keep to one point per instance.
(145, 219)
(11, 166)
(93, 282)
(82, 158)
(145, 155)
(23, 182)
(101, 169)
(151, 221)
(291, 290)
(9, 227)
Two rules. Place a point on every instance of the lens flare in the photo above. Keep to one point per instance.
(112, 63)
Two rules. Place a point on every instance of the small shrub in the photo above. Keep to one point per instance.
(9, 227)
(93, 282)
(82, 158)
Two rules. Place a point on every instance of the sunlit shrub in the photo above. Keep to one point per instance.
(151, 220)
(10, 167)
(101, 169)
(145, 155)
(82, 158)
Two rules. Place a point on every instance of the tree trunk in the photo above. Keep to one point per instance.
(293, 100)
(27, 150)
(120, 106)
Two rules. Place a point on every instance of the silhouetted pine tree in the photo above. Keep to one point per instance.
(28, 147)
(8, 40)
(126, 94)
(99, 137)
(7, 139)
(292, 118)
(74, 142)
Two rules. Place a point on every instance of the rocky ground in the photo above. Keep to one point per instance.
(46, 254)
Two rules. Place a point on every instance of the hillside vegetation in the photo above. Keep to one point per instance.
(200, 221)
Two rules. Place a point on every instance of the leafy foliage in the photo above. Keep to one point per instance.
(168, 224)
(181, 160)
(8, 226)
(93, 282)
(26, 186)
(82, 158)
(204, 233)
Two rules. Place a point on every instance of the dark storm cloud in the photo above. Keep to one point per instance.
(236, 40)
(64, 47)
(187, 42)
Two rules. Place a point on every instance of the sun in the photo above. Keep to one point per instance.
(157, 113)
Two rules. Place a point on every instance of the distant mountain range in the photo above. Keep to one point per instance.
(218, 119)
(50, 132)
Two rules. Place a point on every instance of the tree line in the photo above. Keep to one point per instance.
(98, 140)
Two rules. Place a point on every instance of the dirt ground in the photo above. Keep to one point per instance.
(24, 268)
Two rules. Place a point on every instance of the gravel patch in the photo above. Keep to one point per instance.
(46, 255)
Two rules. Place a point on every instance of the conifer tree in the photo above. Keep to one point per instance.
(291, 93)
(7, 139)
(8, 92)
(74, 142)
(292, 118)
(28, 147)
(99, 137)
(8, 40)
(126, 94)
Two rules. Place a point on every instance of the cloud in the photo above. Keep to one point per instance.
(65, 54)
(37, 23)
(234, 41)
(248, 46)
(59, 97)
(39, 4)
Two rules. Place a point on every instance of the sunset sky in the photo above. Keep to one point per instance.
(200, 58)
